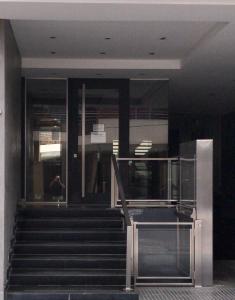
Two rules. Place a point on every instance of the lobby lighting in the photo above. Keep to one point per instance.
(144, 147)
(115, 147)
(146, 143)
(48, 151)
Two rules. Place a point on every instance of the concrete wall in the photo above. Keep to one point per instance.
(10, 141)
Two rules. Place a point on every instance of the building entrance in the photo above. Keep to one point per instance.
(73, 126)
(93, 135)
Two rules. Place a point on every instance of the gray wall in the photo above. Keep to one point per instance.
(10, 141)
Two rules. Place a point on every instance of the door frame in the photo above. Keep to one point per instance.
(122, 85)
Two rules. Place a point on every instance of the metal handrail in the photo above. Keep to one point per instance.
(148, 158)
(121, 191)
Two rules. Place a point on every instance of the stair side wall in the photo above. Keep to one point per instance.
(10, 141)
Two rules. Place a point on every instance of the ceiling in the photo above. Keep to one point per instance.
(191, 43)
(109, 39)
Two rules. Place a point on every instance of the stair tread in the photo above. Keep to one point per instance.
(68, 249)
(83, 230)
(71, 229)
(74, 208)
(71, 288)
(94, 243)
(68, 272)
(72, 257)
(80, 218)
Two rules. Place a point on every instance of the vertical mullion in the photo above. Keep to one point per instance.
(83, 138)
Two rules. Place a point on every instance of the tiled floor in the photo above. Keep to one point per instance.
(187, 293)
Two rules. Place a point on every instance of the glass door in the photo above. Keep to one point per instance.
(96, 138)
(46, 142)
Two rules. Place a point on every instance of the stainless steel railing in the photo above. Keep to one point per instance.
(129, 227)
(133, 228)
(121, 190)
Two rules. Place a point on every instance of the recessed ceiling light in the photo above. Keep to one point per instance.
(103, 52)
(163, 38)
(52, 37)
(53, 52)
(151, 53)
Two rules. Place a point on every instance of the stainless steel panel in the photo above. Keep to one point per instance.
(204, 196)
(198, 254)
(202, 152)
(129, 257)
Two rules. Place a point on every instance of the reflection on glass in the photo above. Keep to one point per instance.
(175, 174)
(46, 140)
(164, 251)
(150, 179)
(101, 139)
(148, 118)
(187, 180)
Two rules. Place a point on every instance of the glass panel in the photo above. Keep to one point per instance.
(175, 179)
(187, 172)
(149, 179)
(46, 140)
(148, 118)
(164, 250)
(101, 139)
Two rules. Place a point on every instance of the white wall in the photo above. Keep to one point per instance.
(10, 143)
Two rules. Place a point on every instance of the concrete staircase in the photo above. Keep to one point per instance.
(68, 253)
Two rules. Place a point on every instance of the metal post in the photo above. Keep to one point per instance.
(129, 257)
(178, 244)
(83, 138)
(198, 253)
(169, 179)
(112, 185)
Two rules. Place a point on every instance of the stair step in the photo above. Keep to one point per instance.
(70, 235)
(82, 261)
(68, 212)
(70, 248)
(67, 277)
(31, 224)
(96, 293)
(69, 254)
